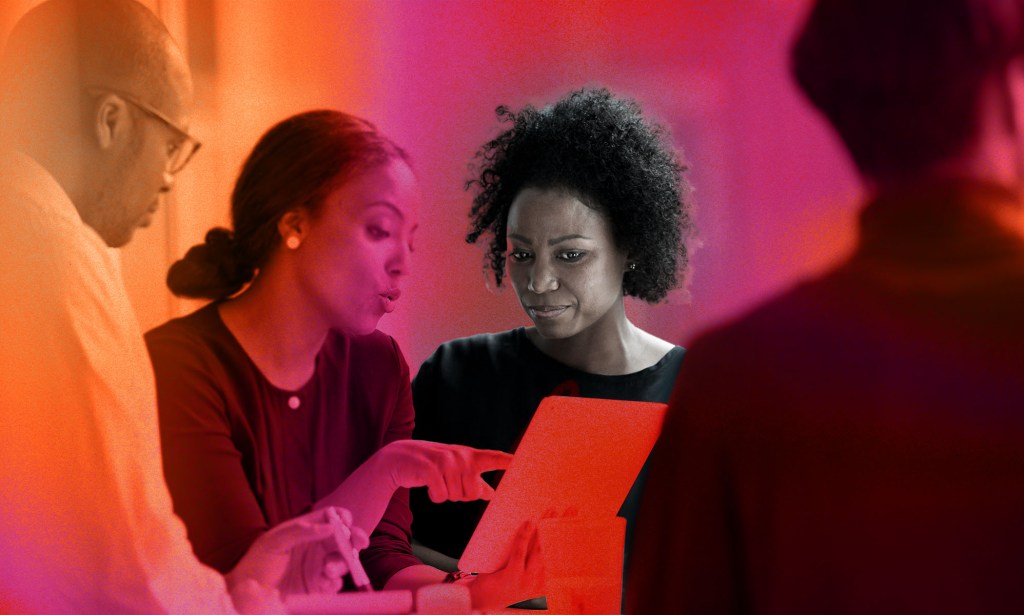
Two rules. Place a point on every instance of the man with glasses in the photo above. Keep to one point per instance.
(94, 107)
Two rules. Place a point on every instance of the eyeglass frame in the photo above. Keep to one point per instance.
(154, 113)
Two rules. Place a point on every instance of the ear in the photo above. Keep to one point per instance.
(294, 223)
(112, 120)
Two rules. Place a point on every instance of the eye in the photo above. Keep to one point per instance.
(377, 233)
(519, 256)
(571, 256)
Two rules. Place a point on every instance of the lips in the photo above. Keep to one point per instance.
(146, 218)
(388, 299)
(545, 312)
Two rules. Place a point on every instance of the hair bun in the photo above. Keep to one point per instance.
(212, 269)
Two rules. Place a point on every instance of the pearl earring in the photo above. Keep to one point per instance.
(293, 242)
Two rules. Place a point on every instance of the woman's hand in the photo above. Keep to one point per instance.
(449, 471)
(520, 579)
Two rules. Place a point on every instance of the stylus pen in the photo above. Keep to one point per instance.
(343, 538)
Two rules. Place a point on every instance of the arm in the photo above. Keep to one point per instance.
(202, 463)
(449, 473)
(372, 491)
(520, 578)
(434, 558)
(82, 495)
(415, 577)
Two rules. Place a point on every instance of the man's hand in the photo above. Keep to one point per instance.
(253, 581)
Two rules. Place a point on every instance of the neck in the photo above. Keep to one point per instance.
(60, 158)
(279, 332)
(611, 346)
(994, 153)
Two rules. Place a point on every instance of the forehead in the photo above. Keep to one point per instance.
(546, 212)
(180, 96)
(389, 187)
(174, 84)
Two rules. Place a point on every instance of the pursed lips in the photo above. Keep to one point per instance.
(388, 299)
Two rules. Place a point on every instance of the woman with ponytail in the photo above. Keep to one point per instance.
(280, 396)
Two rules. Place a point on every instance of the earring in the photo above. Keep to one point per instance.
(293, 242)
(632, 266)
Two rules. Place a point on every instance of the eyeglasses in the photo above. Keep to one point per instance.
(178, 154)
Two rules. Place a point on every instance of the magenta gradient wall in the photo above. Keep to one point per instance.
(774, 193)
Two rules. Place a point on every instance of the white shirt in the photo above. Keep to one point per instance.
(86, 523)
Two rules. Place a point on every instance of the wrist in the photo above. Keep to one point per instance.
(481, 592)
(458, 575)
(383, 465)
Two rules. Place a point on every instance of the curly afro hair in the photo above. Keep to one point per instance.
(599, 148)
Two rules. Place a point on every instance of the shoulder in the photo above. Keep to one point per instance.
(659, 353)
(470, 366)
(49, 254)
(188, 338)
(774, 342)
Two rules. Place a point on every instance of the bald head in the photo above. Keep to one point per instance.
(61, 47)
(123, 46)
(98, 93)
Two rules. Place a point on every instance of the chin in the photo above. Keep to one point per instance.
(358, 328)
(552, 331)
(118, 240)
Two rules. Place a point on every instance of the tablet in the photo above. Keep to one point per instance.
(578, 452)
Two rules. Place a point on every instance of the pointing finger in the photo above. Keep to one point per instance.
(486, 461)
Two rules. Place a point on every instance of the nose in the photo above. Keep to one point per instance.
(398, 266)
(168, 182)
(542, 279)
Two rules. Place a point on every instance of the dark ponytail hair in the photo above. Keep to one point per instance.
(296, 164)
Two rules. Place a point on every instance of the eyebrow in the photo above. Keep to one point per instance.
(392, 207)
(389, 205)
(551, 242)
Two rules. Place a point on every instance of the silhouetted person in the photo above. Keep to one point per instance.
(856, 445)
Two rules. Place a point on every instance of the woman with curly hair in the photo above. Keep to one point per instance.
(584, 202)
